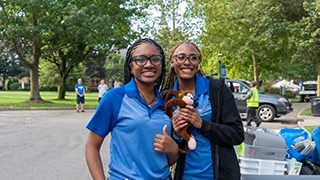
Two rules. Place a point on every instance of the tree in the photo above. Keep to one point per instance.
(95, 65)
(22, 23)
(174, 23)
(10, 65)
(307, 40)
(49, 78)
(259, 38)
(114, 66)
(64, 32)
(83, 31)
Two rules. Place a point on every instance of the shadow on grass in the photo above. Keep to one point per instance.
(37, 101)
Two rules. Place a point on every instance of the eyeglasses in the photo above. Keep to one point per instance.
(155, 60)
(181, 58)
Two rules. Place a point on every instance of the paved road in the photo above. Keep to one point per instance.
(37, 145)
(289, 120)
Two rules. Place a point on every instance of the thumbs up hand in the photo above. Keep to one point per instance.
(164, 142)
(164, 130)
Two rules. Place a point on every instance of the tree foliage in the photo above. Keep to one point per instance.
(49, 78)
(94, 64)
(173, 22)
(115, 67)
(281, 36)
(10, 66)
(64, 32)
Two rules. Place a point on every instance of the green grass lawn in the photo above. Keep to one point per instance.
(310, 128)
(306, 112)
(17, 100)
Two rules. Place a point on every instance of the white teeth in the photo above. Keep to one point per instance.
(149, 73)
(186, 70)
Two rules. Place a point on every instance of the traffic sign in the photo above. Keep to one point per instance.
(223, 71)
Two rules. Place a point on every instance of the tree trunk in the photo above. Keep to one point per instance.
(4, 78)
(318, 85)
(62, 88)
(34, 85)
(255, 69)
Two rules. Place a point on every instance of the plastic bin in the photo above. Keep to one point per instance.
(264, 144)
(262, 166)
(262, 152)
(315, 106)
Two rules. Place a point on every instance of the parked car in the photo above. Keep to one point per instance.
(308, 90)
(270, 105)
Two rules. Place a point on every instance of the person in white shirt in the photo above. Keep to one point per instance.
(103, 88)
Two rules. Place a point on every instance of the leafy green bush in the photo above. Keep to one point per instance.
(48, 88)
(14, 86)
(271, 90)
(268, 89)
(289, 94)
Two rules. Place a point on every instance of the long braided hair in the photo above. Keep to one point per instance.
(172, 74)
(127, 69)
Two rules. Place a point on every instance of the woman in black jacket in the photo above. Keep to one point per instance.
(217, 126)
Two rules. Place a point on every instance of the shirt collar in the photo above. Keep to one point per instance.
(201, 85)
(132, 92)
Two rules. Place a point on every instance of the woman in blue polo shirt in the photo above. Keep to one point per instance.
(214, 156)
(140, 146)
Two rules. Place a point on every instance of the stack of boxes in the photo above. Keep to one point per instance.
(264, 152)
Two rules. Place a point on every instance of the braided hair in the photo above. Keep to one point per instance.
(127, 69)
(172, 74)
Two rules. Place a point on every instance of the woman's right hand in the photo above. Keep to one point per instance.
(178, 123)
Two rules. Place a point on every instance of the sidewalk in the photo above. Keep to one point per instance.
(309, 120)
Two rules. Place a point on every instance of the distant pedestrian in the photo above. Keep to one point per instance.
(115, 84)
(119, 83)
(103, 88)
(252, 99)
(80, 91)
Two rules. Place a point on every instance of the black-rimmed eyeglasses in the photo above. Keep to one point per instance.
(181, 58)
(155, 60)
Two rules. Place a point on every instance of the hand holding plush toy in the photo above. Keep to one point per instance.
(182, 99)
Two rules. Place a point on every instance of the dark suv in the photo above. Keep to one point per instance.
(270, 105)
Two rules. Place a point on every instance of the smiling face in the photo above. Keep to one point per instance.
(188, 68)
(148, 73)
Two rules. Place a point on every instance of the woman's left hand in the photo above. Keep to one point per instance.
(164, 142)
(190, 114)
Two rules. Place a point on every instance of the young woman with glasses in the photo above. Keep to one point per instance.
(214, 156)
(140, 145)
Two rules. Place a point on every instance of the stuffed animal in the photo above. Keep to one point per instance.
(182, 99)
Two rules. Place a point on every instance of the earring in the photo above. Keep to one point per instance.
(199, 67)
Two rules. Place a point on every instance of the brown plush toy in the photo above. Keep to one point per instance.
(182, 99)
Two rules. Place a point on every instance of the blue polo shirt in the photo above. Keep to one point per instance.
(133, 126)
(198, 164)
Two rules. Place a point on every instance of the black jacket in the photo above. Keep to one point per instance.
(223, 132)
